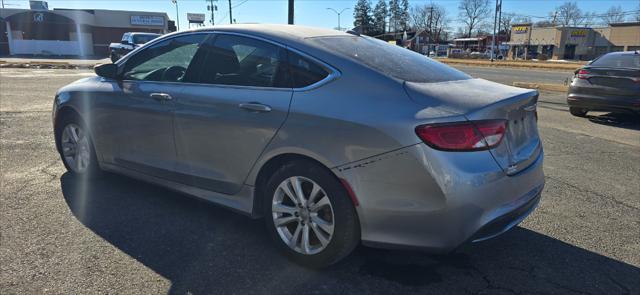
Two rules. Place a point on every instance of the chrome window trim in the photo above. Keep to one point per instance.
(333, 72)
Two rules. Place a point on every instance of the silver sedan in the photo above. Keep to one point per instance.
(334, 138)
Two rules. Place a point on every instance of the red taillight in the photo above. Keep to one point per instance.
(463, 136)
(583, 74)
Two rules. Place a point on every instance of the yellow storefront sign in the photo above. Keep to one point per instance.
(520, 29)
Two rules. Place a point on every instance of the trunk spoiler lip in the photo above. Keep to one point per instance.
(438, 95)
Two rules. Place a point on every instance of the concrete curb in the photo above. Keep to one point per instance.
(510, 64)
(45, 65)
(542, 86)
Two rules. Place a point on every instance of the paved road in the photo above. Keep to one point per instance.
(116, 235)
(509, 75)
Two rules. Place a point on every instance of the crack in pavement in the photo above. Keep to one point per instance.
(613, 199)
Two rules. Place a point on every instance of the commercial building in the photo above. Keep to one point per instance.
(573, 42)
(478, 44)
(72, 32)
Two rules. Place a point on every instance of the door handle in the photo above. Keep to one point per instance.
(255, 107)
(160, 96)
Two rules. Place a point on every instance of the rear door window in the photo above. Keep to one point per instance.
(391, 60)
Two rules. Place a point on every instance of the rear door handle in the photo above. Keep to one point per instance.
(255, 107)
(160, 96)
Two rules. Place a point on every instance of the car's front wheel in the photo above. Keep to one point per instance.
(309, 215)
(578, 112)
(76, 148)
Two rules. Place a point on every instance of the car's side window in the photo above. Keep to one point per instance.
(304, 72)
(165, 61)
(242, 61)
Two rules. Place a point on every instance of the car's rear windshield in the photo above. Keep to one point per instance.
(391, 60)
(141, 39)
(617, 60)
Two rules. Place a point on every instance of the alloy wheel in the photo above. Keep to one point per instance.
(303, 215)
(75, 148)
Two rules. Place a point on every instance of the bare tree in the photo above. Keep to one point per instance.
(589, 19)
(544, 24)
(510, 18)
(569, 14)
(429, 17)
(613, 15)
(473, 13)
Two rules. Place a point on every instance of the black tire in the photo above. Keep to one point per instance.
(578, 112)
(346, 233)
(93, 169)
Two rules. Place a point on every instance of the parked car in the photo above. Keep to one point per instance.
(129, 42)
(609, 83)
(334, 138)
(528, 55)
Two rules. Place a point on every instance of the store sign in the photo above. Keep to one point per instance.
(147, 20)
(579, 33)
(196, 18)
(520, 29)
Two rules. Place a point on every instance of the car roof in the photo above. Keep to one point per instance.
(292, 33)
(142, 33)
(623, 52)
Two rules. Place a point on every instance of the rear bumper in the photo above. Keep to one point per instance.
(421, 198)
(596, 102)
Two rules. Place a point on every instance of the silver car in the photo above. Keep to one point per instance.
(334, 138)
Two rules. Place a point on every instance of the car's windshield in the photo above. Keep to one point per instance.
(144, 38)
(618, 61)
(390, 60)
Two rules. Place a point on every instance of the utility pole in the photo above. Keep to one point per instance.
(495, 19)
(555, 15)
(230, 15)
(211, 7)
(500, 25)
(338, 13)
(429, 25)
(291, 7)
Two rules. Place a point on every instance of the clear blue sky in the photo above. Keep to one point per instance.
(308, 12)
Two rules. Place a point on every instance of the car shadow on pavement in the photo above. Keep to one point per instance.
(202, 248)
(622, 120)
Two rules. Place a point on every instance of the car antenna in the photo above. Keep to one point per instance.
(354, 31)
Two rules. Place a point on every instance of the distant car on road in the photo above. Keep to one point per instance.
(609, 83)
(529, 55)
(334, 138)
(129, 42)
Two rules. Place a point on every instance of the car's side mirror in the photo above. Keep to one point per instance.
(107, 70)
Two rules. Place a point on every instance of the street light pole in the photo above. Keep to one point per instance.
(338, 13)
(177, 14)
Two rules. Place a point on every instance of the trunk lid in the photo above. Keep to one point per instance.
(478, 99)
(625, 82)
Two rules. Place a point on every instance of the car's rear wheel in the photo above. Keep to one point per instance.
(309, 215)
(578, 112)
(76, 148)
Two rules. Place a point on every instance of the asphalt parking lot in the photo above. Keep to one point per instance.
(60, 235)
